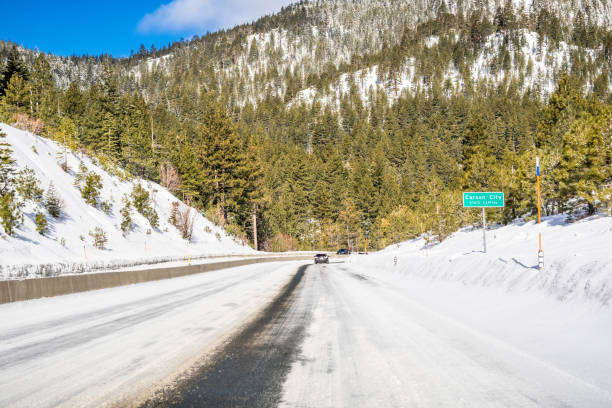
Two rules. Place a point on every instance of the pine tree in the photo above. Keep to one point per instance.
(348, 221)
(137, 138)
(41, 223)
(225, 168)
(53, 202)
(584, 169)
(7, 169)
(142, 202)
(72, 102)
(16, 95)
(67, 136)
(43, 90)
(126, 217)
(14, 66)
(91, 190)
(10, 212)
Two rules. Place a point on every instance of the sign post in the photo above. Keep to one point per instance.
(484, 228)
(540, 252)
(483, 200)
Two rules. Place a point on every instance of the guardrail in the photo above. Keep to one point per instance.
(27, 289)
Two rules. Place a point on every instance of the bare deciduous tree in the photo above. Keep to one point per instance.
(182, 218)
(170, 177)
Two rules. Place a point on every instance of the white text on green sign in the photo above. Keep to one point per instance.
(483, 199)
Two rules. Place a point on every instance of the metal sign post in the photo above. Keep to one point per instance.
(540, 252)
(483, 200)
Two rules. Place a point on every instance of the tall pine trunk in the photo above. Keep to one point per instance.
(255, 228)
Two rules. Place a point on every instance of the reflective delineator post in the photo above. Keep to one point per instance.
(484, 229)
(540, 252)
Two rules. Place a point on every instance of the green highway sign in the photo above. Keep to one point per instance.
(483, 199)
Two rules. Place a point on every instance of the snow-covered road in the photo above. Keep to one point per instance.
(113, 345)
(322, 336)
(369, 344)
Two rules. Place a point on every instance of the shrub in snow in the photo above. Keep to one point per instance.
(34, 149)
(173, 213)
(182, 219)
(91, 189)
(53, 203)
(106, 207)
(142, 203)
(126, 216)
(185, 223)
(80, 176)
(99, 238)
(41, 223)
(27, 186)
(10, 213)
(25, 122)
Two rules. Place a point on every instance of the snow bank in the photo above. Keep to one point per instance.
(67, 247)
(578, 259)
(561, 315)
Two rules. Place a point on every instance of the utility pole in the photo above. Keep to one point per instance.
(540, 252)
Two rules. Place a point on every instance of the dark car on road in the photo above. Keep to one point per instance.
(321, 258)
(342, 251)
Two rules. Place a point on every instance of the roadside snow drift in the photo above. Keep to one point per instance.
(68, 246)
(560, 316)
(577, 259)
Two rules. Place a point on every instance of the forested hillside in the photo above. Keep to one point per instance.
(334, 119)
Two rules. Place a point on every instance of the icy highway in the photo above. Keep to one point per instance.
(265, 335)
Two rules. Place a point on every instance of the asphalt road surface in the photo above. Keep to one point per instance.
(113, 347)
(323, 336)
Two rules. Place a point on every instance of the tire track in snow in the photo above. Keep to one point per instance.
(249, 371)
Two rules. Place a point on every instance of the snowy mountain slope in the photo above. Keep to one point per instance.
(68, 241)
(333, 33)
(533, 65)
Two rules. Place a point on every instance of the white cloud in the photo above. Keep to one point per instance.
(199, 15)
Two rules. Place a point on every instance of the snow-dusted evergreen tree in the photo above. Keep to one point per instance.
(7, 167)
(53, 202)
(126, 216)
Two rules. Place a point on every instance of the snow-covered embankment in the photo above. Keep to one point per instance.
(68, 247)
(560, 315)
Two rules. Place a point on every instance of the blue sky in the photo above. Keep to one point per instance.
(67, 27)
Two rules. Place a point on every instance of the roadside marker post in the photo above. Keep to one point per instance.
(483, 200)
(540, 252)
(484, 229)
